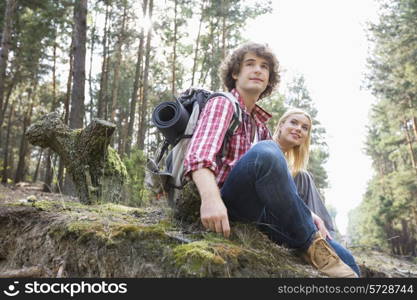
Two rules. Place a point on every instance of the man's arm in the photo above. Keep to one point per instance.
(213, 212)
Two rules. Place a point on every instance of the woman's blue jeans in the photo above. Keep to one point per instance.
(261, 190)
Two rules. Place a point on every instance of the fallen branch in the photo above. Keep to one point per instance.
(29, 272)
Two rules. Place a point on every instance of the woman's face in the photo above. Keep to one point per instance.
(294, 131)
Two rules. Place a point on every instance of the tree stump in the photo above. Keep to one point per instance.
(95, 167)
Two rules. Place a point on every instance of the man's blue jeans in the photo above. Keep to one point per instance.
(261, 190)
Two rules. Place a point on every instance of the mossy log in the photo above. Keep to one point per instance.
(55, 236)
(93, 165)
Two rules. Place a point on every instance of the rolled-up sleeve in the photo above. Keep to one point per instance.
(208, 136)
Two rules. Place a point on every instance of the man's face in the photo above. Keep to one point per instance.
(253, 76)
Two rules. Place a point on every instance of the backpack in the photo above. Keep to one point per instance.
(177, 120)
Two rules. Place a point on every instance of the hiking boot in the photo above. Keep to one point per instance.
(322, 256)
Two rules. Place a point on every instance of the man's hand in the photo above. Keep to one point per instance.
(213, 212)
(214, 216)
(320, 226)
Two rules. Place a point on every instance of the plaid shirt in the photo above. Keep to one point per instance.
(206, 143)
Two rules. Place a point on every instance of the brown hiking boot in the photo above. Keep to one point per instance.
(322, 256)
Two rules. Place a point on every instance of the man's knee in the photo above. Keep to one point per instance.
(269, 156)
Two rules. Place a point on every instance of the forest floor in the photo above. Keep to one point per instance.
(53, 235)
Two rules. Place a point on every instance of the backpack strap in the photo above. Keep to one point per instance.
(236, 119)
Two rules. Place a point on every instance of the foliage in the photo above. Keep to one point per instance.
(387, 217)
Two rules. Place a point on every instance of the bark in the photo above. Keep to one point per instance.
(5, 174)
(91, 164)
(142, 124)
(134, 98)
(78, 89)
(103, 88)
(5, 44)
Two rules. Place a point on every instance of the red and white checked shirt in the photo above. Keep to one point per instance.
(206, 143)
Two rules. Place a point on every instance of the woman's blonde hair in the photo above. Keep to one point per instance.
(297, 157)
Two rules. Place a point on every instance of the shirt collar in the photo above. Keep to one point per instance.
(259, 114)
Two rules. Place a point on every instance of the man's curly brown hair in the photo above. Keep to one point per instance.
(231, 65)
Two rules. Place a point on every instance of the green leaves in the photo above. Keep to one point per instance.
(389, 207)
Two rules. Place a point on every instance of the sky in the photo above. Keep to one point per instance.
(325, 40)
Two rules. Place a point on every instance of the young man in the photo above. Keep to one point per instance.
(251, 183)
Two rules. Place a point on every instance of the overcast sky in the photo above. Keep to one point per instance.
(325, 40)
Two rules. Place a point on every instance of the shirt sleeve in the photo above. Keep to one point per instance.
(208, 136)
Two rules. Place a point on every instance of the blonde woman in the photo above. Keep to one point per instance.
(293, 135)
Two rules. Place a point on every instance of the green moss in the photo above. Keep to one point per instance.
(197, 258)
(114, 165)
(87, 231)
(132, 232)
(75, 132)
(47, 205)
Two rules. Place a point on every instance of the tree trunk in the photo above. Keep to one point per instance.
(21, 165)
(48, 170)
(6, 104)
(174, 50)
(410, 145)
(5, 174)
(213, 73)
(5, 44)
(54, 99)
(35, 175)
(116, 76)
(122, 125)
(95, 168)
(225, 13)
(78, 89)
(142, 124)
(90, 79)
(59, 185)
(197, 43)
(66, 187)
(134, 97)
(69, 83)
(415, 127)
(47, 184)
(103, 88)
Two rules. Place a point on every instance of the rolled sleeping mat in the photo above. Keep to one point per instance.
(171, 119)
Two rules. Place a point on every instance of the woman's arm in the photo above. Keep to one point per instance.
(321, 226)
(311, 197)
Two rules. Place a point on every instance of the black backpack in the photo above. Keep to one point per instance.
(177, 120)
